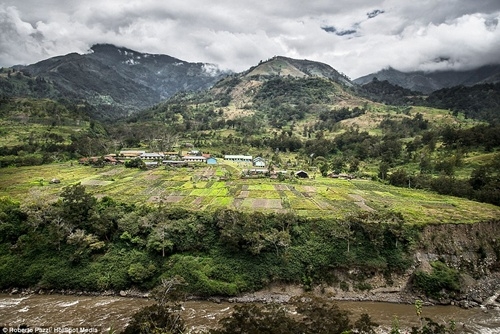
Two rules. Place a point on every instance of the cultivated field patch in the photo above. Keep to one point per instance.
(264, 194)
(95, 183)
(172, 199)
(261, 187)
(259, 203)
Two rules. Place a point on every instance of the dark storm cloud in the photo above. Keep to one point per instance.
(354, 36)
(374, 13)
(339, 32)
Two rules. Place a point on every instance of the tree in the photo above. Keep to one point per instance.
(354, 165)
(250, 318)
(279, 239)
(323, 168)
(365, 325)
(163, 317)
(59, 230)
(157, 319)
(84, 243)
(138, 273)
(12, 220)
(158, 239)
(383, 169)
(169, 290)
(429, 326)
(77, 206)
(135, 163)
(321, 316)
(344, 231)
(338, 164)
(425, 163)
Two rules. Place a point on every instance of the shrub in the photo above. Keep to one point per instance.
(441, 279)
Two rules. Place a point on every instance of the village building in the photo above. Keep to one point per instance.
(131, 154)
(151, 164)
(302, 174)
(194, 158)
(239, 158)
(194, 152)
(259, 162)
(107, 159)
(171, 155)
(151, 156)
(211, 161)
(255, 173)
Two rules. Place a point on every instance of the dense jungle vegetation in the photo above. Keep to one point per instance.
(80, 242)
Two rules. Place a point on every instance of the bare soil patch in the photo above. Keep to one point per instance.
(174, 199)
(111, 172)
(360, 201)
(259, 203)
(197, 201)
(309, 189)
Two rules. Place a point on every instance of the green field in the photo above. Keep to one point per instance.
(178, 187)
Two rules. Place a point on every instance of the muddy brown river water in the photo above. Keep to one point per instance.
(58, 311)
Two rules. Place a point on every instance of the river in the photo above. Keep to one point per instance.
(59, 311)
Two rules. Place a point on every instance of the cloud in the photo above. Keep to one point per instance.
(356, 37)
(375, 13)
(334, 30)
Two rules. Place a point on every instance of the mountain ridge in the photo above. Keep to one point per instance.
(428, 82)
(120, 80)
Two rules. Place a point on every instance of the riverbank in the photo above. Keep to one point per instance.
(483, 293)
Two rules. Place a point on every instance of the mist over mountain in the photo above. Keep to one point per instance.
(427, 82)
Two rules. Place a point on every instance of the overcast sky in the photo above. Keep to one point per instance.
(356, 37)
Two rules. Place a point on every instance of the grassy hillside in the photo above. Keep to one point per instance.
(37, 131)
(201, 189)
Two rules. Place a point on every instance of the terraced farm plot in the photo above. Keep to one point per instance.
(222, 202)
(321, 197)
(260, 203)
(261, 187)
(303, 204)
(173, 199)
(209, 192)
(96, 183)
(272, 194)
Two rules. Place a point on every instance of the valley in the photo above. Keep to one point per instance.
(362, 188)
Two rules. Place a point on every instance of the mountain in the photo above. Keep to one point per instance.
(289, 67)
(119, 80)
(275, 93)
(427, 82)
(386, 92)
(293, 76)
